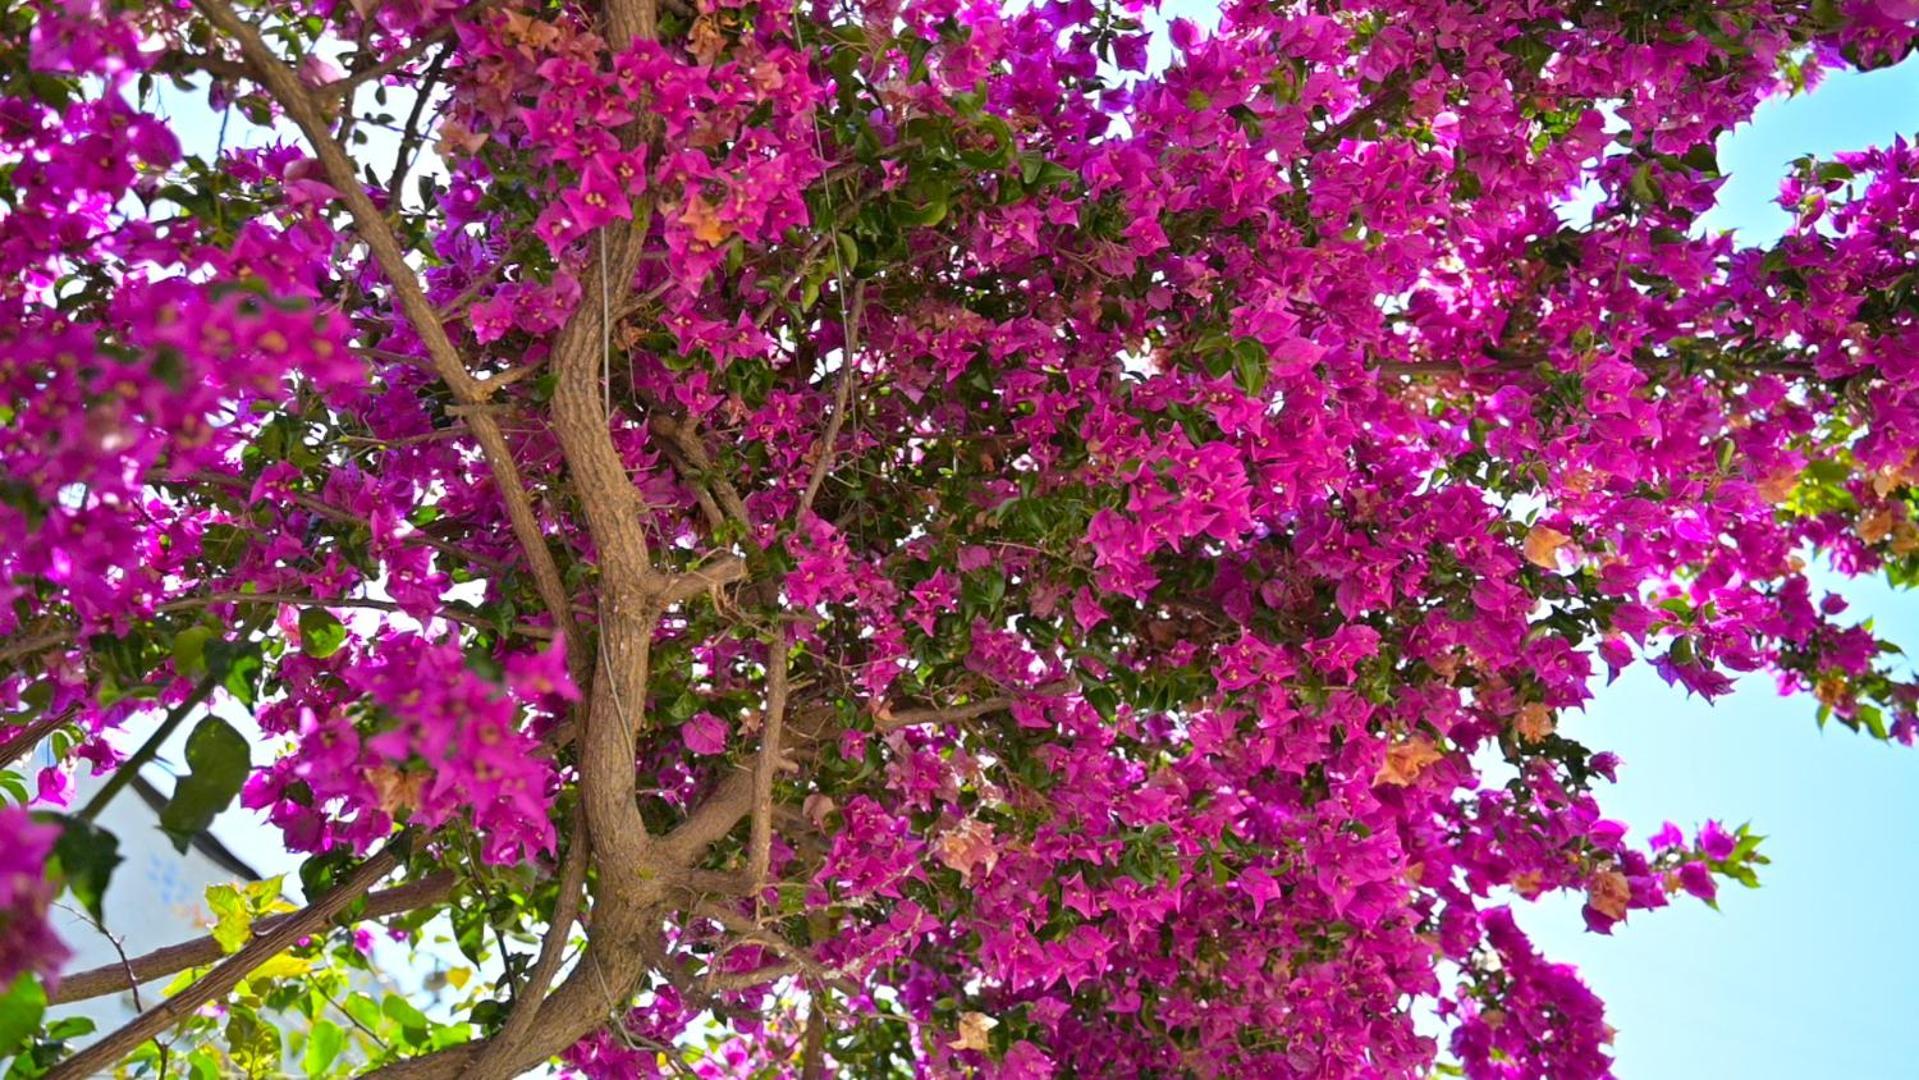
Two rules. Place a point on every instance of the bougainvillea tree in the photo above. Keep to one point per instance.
(912, 538)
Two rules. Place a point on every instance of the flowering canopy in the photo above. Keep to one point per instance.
(924, 540)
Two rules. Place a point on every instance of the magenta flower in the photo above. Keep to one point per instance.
(705, 734)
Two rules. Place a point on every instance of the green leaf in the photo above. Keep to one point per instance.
(1251, 365)
(321, 635)
(21, 1008)
(1645, 190)
(929, 212)
(1702, 158)
(323, 1046)
(364, 1011)
(233, 925)
(413, 1023)
(237, 666)
(87, 855)
(254, 1044)
(190, 651)
(219, 757)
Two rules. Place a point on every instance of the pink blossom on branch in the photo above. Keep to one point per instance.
(1132, 503)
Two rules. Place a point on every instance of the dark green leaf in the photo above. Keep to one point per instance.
(87, 855)
(237, 666)
(219, 758)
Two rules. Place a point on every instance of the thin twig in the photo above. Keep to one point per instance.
(160, 963)
(410, 142)
(341, 88)
(28, 737)
(100, 1057)
(526, 1003)
(31, 644)
(953, 714)
(367, 602)
(842, 395)
(741, 980)
(150, 749)
(374, 230)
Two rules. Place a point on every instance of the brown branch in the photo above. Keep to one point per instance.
(160, 963)
(31, 644)
(751, 933)
(629, 603)
(99, 1058)
(760, 854)
(684, 437)
(184, 63)
(369, 603)
(842, 396)
(703, 579)
(813, 1052)
(715, 517)
(28, 737)
(626, 918)
(1385, 99)
(611, 966)
(742, 980)
(342, 88)
(503, 379)
(414, 134)
(713, 819)
(953, 714)
(631, 885)
(777, 295)
(374, 230)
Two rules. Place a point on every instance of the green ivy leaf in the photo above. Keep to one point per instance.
(219, 758)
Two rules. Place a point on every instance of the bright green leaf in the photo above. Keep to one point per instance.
(321, 635)
(324, 1044)
(21, 1008)
(233, 925)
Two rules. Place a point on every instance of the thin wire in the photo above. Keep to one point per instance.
(606, 416)
(606, 338)
(619, 707)
(839, 261)
(613, 1009)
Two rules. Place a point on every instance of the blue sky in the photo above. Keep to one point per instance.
(1815, 974)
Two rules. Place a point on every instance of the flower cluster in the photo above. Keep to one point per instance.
(1170, 486)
